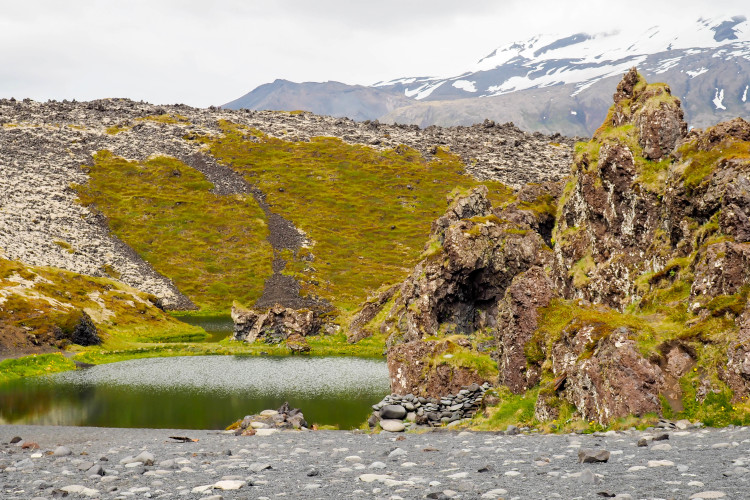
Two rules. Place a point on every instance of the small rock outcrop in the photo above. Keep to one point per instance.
(602, 373)
(274, 325)
(474, 253)
(479, 253)
(78, 329)
(426, 369)
(285, 418)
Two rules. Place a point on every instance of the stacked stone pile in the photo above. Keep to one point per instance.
(394, 409)
(270, 422)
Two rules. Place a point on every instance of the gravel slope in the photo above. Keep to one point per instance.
(696, 463)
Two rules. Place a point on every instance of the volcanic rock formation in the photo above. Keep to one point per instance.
(645, 276)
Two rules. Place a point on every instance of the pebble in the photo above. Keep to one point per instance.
(661, 447)
(62, 451)
(588, 477)
(229, 485)
(77, 489)
(392, 425)
(660, 463)
(496, 493)
(265, 432)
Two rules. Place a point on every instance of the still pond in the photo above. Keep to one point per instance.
(199, 392)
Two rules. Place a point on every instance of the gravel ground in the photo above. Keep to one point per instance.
(696, 463)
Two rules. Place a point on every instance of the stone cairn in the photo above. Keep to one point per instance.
(394, 413)
(270, 422)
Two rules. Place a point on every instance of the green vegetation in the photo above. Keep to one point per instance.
(213, 247)
(581, 270)
(332, 345)
(367, 212)
(166, 119)
(460, 351)
(32, 366)
(698, 163)
(116, 129)
(515, 409)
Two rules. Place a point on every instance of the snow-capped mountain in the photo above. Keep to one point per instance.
(583, 59)
(563, 83)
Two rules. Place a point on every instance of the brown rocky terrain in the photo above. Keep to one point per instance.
(636, 304)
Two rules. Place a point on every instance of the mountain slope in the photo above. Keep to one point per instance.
(330, 98)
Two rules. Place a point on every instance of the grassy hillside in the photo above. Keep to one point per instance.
(368, 213)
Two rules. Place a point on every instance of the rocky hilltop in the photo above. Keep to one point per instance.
(200, 207)
(634, 304)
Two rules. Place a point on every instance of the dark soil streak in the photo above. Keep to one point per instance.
(282, 235)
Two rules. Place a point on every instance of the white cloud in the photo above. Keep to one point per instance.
(203, 53)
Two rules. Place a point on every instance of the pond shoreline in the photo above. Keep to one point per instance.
(342, 464)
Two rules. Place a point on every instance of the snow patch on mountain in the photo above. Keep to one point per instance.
(668, 64)
(718, 98)
(744, 94)
(583, 59)
(423, 90)
(698, 72)
(468, 86)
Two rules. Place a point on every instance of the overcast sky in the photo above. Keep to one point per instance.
(213, 51)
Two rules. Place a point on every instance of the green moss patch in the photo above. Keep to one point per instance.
(699, 163)
(460, 357)
(511, 409)
(35, 365)
(213, 247)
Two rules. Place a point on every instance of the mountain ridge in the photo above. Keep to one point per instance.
(705, 64)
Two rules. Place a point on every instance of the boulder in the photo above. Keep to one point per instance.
(392, 425)
(78, 328)
(273, 325)
(393, 412)
(592, 456)
(296, 343)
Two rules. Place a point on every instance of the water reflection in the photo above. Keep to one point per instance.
(218, 327)
(202, 392)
